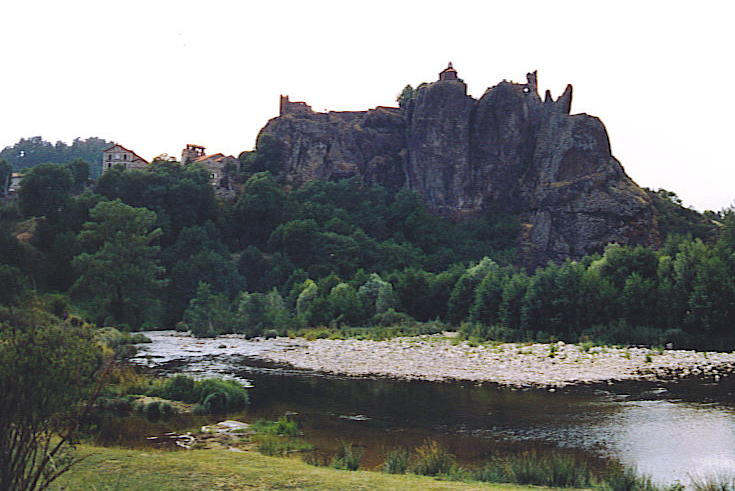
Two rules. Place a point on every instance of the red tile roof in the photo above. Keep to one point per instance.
(126, 150)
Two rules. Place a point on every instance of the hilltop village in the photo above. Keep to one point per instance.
(218, 165)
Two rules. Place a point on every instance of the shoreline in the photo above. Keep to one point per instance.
(436, 358)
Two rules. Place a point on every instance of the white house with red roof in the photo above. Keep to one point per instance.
(119, 155)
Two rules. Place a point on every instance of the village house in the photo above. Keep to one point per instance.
(119, 155)
(215, 163)
(15, 180)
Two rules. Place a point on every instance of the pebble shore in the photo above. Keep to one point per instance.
(442, 358)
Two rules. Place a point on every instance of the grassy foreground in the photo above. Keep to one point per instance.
(151, 470)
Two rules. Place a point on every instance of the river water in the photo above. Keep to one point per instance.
(670, 431)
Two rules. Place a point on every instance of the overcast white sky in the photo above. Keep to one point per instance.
(156, 74)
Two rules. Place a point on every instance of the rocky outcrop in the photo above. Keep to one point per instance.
(338, 145)
(509, 149)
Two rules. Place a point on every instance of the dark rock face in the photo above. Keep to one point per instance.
(509, 149)
(338, 145)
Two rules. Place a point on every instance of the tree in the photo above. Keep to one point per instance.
(514, 289)
(258, 210)
(217, 270)
(45, 191)
(119, 276)
(258, 312)
(180, 195)
(309, 292)
(407, 94)
(463, 293)
(267, 157)
(80, 174)
(6, 172)
(208, 313)
(488, 298)
(29, 152)
(345, 305)
(619, 263)
(377, 295)
(12, 284)
(48, 373)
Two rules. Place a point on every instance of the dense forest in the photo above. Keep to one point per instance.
(29, 152)
(155, 249)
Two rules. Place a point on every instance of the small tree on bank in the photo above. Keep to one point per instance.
(48, 376)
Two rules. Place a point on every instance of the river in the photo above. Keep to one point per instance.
(670, 431)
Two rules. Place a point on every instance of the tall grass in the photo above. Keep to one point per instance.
(432, 459)
(283, 426)
(347, 458)
(557, 470)
(716, 483)
(396, 461)
(276, 446)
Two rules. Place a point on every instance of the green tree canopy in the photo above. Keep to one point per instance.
(47, 372)
(119, 272)
(45, 191)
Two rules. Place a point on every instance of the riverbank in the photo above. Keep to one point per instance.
(157, 470)
(443, 358)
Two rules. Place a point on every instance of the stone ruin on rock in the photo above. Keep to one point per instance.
(509, 149)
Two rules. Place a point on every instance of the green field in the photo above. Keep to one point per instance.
(152, 470)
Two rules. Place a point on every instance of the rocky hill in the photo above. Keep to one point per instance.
(509, 149)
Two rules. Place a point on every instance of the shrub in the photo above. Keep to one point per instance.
(432, 459)
(284, 426)
(180, 388)
(219, 396)
(347, 458)
(396, 462)
(270, 334)
(152, 411)
(391, 318)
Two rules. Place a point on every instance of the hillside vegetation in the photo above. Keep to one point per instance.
(154, 248)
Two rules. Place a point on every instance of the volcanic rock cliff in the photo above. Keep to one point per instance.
(509, 149)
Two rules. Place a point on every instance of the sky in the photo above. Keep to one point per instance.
(154, 75)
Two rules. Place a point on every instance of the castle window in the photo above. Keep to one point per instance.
(125, 156)
(109, 156)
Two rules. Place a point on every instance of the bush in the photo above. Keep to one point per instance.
(158, 410)
(270, 334)
(219, 396)
(432, 459)
(396, 461)
(212, 396)
(391, 318)
(621, 333)
(347, 458)
(120, 406)
(284, 427)
(180, 388)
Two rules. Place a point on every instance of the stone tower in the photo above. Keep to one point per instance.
(449, 73)
(191, 153)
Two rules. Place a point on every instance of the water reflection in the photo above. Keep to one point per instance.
(669, 431)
